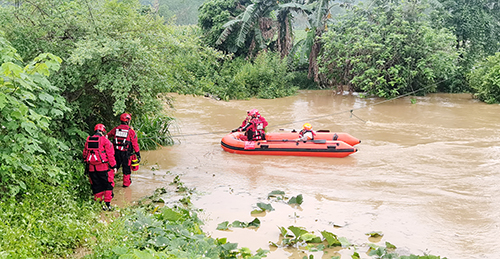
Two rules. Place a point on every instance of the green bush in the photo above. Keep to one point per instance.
(46, 221)
(29, 105)
(300, 79)
(388, 51)
(485, 79)
(153, 131)
(44, 196)
(266, 77)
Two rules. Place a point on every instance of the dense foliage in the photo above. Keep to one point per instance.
(212, 17)
(117, 59)
(153, 132)
(29, 105)
(68, 64)
(44, 195)
(387, 51)
(409, 61)
(485, 79)
(476, 25)
(266, 77)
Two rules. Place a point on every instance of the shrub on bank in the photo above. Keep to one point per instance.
(265, 77)
(485, 79)
(46, 222)
(388, 51)
(153, 131)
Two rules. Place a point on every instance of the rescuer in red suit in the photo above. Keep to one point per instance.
(99, 155)
(125, 142)
(254, 126)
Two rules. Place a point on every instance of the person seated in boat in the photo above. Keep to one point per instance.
(254, 127)
(306, 133)
(247, 119)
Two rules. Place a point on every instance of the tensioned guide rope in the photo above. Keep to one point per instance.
(309, 119)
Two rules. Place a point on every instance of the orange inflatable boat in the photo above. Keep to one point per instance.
(320, 134)
(284, 144)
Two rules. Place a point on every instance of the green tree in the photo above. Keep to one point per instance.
(387, 51)
(213, 14)
(476, 25)
(267, 24)
(118, 57)
(250, 28)
(318, 14)
(266, 77)
(28, 104)
(485, 79)
(253, 27)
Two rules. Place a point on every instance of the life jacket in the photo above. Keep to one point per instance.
(304, 131)
(258, 129)
(122, 140)
(259, 125)
(96, 153)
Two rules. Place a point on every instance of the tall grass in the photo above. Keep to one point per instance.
(153, 131)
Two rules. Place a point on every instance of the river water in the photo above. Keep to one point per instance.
(425, 175)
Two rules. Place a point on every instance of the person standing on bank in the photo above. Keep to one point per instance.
(125, 142)
(99, 156)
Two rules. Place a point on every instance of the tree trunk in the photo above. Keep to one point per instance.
(313, 64)
(284, 36)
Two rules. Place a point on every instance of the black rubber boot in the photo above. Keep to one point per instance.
(107, 206)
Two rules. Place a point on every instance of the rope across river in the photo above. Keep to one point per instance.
(351, 111)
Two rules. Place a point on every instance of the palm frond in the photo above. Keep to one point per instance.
(248, 20)
(297, 46)
(309, 41)
(231, 23)
(227, 31)
(249, 13)
(320, 12)
(297, 7)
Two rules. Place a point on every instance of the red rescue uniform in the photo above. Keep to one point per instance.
(99, 156)
(255, 129)
(125, 143)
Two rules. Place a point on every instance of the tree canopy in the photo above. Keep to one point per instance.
(387, 51)
(116, 58)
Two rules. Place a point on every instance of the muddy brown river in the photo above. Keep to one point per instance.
(426, 175)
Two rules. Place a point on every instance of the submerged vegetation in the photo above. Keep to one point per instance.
(296, 237)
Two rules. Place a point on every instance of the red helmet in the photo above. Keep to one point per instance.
(254, 112)
(125, 117)
(100, 127)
